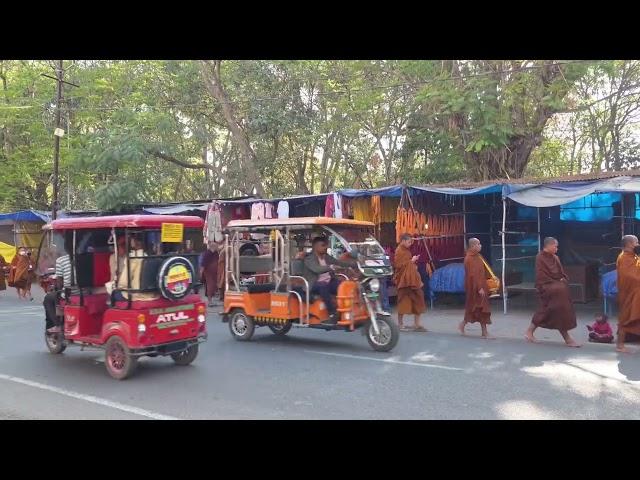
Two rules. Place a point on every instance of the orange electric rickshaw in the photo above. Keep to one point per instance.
(284, 299)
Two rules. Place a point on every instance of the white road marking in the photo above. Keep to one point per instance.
(30, 311)
(89, 398)
(387, 360)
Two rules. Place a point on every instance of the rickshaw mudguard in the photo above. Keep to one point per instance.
(122, 329)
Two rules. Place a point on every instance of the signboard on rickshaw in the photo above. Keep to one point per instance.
(172, 233)
(176, 278)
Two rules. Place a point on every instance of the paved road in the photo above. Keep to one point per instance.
(316, 375)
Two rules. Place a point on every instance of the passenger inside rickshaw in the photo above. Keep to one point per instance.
(146, 254)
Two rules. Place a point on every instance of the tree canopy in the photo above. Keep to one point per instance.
(154, 131)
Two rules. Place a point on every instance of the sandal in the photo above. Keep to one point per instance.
(405, 329)
(419, 329)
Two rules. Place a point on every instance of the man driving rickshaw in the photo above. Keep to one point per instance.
(299, 290)
(319, 272)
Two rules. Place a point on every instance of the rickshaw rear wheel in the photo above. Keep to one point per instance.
(241, 325)
(186, 356)
(55, 342)
(388, 337)
(120, 364)
(280, 330)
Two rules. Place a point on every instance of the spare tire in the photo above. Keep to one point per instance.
(175, 278)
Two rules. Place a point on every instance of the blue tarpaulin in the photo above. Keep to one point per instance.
(395, 191)
(561, 193)
(26, 216)
(610, 284)
(449, 279)
(484, 190)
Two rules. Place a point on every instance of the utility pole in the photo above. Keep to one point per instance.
(56, 149)
(58, 133)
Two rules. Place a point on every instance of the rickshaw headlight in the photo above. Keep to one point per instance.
(201, 318)
(142, 328)
(374, 285)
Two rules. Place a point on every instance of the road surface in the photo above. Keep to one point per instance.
(316, 375)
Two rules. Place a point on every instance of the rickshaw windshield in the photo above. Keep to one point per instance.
(360, 240)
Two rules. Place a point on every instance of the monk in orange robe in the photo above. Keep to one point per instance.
(628, 268)
(20, 273)
(408, 283)
(555, 310)
(4, 266)
(476, 305)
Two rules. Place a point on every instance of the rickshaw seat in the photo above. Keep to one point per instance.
(157, 303)
(149, 272)
(101, 273)
(256, 264)
(297, 267)
(261, 288)
(94, 303)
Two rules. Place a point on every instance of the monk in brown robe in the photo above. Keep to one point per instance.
(209, 271)
(20, 272)
(476, 304)
(221, 270)
(628, 268)
(4, 267)
(556, 310)
(408, 283)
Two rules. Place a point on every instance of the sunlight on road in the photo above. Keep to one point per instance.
(523, 410)
(589, 377)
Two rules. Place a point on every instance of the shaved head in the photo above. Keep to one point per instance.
(629, 241)
(474, 245)
(550, 245)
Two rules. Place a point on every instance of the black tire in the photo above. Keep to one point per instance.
(241, 325)
(249, 250)
(389, 334)
(55, 342)
(186, 356)
(280, 330)
(117, 359)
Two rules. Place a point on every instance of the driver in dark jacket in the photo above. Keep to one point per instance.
(318, 269)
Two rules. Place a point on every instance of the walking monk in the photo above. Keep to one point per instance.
(476, 304)
(20, 272)
(209, 270)
(408, 283)
(4, 267)
(555, 311)
(628, 268)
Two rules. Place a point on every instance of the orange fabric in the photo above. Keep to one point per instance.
(628, 268)
(555, 310)
(406, 272)
(20, 275)
(411, 301)
(476, 307)
(3, 265)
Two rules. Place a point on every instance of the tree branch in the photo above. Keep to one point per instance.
(163, 156)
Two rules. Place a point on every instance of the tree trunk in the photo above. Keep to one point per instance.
(211, 74)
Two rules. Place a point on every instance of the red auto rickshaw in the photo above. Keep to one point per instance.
(163, 315)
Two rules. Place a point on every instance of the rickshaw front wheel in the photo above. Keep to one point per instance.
(120, 364)
(186, 356)
(241, 325)
(280, 330)
(55, 342)
(388, 337)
